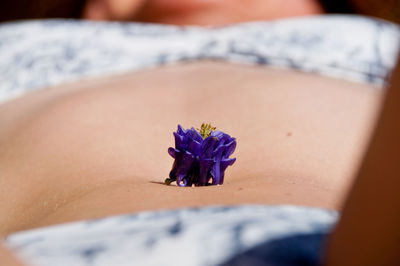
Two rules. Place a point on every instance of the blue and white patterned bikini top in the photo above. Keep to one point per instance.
(43, 53)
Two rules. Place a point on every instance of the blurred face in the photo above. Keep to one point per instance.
(198, 12)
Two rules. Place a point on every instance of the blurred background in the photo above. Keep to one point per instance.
(38, 9)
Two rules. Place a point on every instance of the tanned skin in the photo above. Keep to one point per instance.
(368, 232)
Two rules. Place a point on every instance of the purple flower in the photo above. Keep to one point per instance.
(201, 158)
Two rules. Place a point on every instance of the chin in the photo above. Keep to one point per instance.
(221, 12)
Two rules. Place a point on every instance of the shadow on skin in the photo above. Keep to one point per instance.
(157, 182)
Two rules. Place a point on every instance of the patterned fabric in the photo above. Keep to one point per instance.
(245, 235)
(37, 54)
(43, 53)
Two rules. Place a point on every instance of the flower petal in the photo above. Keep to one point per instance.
(216, 173)
(195, 135)
(207, 147)
(172, 152)
(181, 181)
(218, 134)
(230, 148)
(184, 163)
(217, 153)
(181, 131)
(181, 142)
(205, 165)
(194, 148)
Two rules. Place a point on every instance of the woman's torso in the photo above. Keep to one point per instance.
(99, 147)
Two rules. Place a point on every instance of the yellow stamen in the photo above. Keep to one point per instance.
(205, 130)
